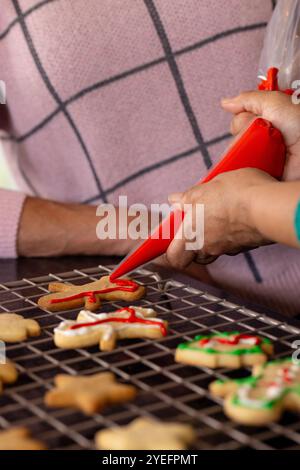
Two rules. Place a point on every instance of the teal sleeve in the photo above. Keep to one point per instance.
(297, 221)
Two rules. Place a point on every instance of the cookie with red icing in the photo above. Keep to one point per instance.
(229, 349)
(69, 296)
(105, 329)
(263, 397)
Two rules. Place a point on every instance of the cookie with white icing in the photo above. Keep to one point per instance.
(229, 349)
(105, 329)
(262, 398)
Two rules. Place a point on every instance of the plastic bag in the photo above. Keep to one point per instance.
(282, 43)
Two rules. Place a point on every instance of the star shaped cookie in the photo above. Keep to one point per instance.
(15, 328)
(146, 434)
(19, 439)
(89, 296)
(88, 393)
(106, 328)
(8, 374)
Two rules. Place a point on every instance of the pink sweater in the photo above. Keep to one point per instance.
(110, 97)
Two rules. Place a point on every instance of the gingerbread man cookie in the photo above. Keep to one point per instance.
(263, 397)
(88, 393)
(15, 328)
(8, 374)
(89, 296)
(146, 434)
(231, 350)
(19, 439)
(106, 328)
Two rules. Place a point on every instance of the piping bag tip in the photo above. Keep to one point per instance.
(154, 246)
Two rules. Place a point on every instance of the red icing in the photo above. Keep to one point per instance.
(286, 374)
(124, 285)
(132, 318)
(232, 341)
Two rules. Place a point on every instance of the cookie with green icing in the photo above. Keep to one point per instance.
(229, 349)
(261, 398)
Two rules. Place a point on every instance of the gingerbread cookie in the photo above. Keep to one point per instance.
(8, 374)
(231, 350)
(263, 397)
(15, 328)
(89, 296)
(88, 393)
(146, 434)
(106, 328)
(19, 439)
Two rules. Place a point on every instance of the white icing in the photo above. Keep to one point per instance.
(273, 391)
(213, 342)
(64, 328)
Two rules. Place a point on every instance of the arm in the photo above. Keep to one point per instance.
(272, 210)
(242, 209)
(49, 228)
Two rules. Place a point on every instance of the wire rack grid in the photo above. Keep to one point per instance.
(166, 390)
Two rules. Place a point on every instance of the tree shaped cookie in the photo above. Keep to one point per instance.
(88, 393)
(146, 434)
(106, 328)
(8, 374)
(232, 350)
(15, 328)
(263, 397)
(19, 439)
(89, 296)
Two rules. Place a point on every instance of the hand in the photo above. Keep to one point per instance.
(276, 107)
(228, 225)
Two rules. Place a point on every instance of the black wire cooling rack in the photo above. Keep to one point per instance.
(167, 391)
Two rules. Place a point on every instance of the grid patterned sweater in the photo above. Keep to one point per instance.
(111, 97)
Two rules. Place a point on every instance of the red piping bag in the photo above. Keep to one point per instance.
(261, 146)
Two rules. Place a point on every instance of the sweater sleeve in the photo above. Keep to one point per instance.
(11, 205)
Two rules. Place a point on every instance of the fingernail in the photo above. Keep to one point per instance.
(175, 197)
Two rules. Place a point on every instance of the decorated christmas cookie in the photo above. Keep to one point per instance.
(146, 434)
(263, 397)
(106, 328)
(69, 296)
(232, 350)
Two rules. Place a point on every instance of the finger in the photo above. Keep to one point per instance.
(240, 122)
(177, 256)
(256, 102)
(203, 259)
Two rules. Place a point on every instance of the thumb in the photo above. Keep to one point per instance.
(260, 103)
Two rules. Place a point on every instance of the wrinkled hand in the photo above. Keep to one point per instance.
(276, 107)
(228, 227)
